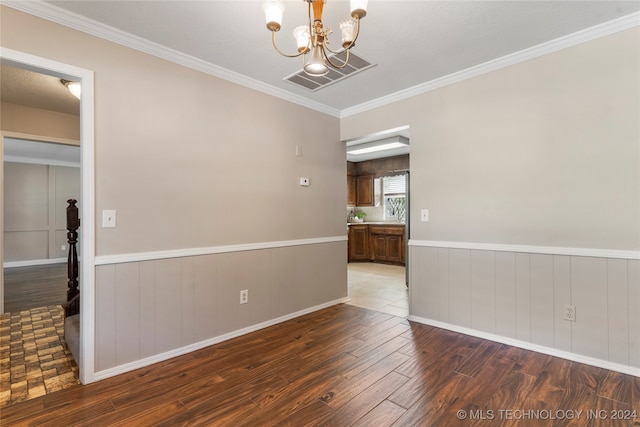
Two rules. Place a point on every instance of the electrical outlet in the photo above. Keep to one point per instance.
(63, 248)
(244, 296)
(570, 312)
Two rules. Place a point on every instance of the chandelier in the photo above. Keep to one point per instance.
(314, 36)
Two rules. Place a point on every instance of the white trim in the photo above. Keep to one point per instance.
(36, 161)
(77, 22)
(179, 253)
(529, 346)
(550, 250)
(87, 200)
(32, 262)
(40, 138)
(107, 373)
(588, 34)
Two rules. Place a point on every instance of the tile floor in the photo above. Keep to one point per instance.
(34, 359)
(379, 287)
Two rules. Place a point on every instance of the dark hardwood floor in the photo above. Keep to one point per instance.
(344, 366)
(34, 286)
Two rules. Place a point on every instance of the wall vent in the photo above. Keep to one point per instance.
(356, 64)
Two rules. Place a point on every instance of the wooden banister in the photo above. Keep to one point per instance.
(73, 223)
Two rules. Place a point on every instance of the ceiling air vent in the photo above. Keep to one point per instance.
(356, 64)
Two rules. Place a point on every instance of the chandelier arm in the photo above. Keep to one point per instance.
(335, 52)
(273, 41)
(350, 45)
(346, 61)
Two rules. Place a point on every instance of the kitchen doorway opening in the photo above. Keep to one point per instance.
(378, 221)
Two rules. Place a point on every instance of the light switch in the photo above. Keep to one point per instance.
(304, 182)
(108, 218)
(424, 215)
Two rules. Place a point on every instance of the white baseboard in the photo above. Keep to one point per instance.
(117, 370)
(529, 346)
(32, 262)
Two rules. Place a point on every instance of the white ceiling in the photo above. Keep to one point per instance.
(411, 42)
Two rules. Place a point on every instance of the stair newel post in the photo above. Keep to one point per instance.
(73, 223)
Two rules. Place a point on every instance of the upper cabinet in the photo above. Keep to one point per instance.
(361, 178)
(351, 190)
(351, 184)
(364, 190)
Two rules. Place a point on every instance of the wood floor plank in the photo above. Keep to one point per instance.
(364, 402)
(615, 386)
(617, 413)
(511, 392)
(343, 365)
(426, 382)
(551, 382)
(311, 415)
(494, 371)
(357, 384)
(385, 414)
(475, 362)
(34, 286)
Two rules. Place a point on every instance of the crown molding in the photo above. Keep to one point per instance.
(588, 34)
(60, 16)
(77, 22)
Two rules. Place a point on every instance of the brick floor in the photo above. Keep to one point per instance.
(34, 359)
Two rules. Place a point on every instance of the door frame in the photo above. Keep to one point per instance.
(38, 64)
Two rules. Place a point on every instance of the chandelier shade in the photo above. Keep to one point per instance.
(301, 34)
(313, 37)
(273, 10)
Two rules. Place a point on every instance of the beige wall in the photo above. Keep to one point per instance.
(544, 152)
(35, 210)
(191, 161)
(35, 121)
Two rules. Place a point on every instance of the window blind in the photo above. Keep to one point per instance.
(394, 184)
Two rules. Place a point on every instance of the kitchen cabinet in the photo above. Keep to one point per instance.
(364, 190)
(351, 190)
(358, 242)
(387, 244)
(384, 243)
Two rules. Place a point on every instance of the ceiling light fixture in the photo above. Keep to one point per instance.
(314, 37)
(74, 87)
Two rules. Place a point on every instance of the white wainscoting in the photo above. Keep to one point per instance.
(519, 297)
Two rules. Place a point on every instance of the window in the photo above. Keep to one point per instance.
(394, 190)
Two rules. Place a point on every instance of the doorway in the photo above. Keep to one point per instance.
(39, 178)
(378, 221)
(21, 60)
